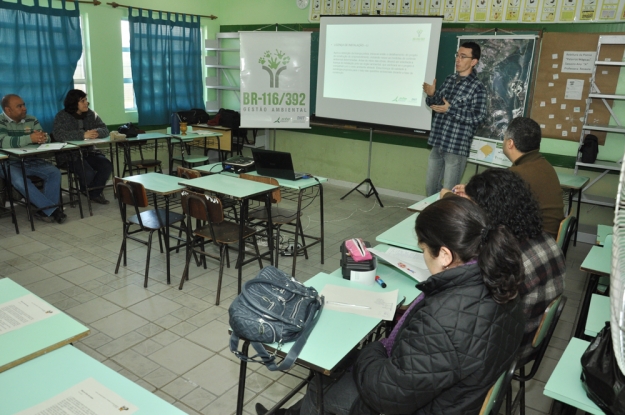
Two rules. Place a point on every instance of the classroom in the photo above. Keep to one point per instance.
(174, 343)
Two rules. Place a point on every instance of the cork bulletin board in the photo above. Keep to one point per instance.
(563, 83)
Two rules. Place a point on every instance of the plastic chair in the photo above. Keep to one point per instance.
(279, 216)
(568, 227)
(212, 227)
(495, 395)
(133, 194)
(540, 343)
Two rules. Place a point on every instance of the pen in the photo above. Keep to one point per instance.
(380, 281)
(347, 305)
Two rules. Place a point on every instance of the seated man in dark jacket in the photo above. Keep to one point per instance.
(455, 339)
(77, 122)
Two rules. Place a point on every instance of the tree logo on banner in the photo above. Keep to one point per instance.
(274, 64)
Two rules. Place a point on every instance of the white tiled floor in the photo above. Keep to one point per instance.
(175, 343)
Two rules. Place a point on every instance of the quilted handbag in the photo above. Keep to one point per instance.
(273, 308)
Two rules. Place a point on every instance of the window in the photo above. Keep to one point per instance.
(129, 93)
(80, 81)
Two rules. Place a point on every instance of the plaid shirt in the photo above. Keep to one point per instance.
(545, 270)
(453, 130)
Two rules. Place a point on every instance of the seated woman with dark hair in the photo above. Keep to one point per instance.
(508, 201)
(78, 122)
(454, 340)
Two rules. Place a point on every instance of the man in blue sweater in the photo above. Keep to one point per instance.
(18, 129)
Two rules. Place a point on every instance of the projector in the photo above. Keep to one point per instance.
(238, 164)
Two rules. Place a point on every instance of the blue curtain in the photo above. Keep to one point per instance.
(39, 50)
(166, 59)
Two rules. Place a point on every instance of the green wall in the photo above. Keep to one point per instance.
(398, 163)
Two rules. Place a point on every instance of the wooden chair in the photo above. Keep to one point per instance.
(495, 395)
(212, 227)
(134, 195)
(142, 164)
(568, 227)
(540, 343)
(279, 216)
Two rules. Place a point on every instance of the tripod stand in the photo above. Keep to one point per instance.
(371, 190)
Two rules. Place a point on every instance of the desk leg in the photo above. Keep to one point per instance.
(119, 172)
(27, 196)
(243, 206)
(170, 152)
(579, 205)
(242, 373)
(298, 226)
(269, 228)
(8, 187)
(69, 177)
(319, 380)
(591, 286)
(321, 219)
(167, 236)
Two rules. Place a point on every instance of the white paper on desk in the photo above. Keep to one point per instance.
(203, 132)
(410, 262)
(23, 311)
(362, 302)
(51, 146)
(89, 397)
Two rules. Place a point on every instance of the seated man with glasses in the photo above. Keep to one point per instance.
(18, 129)
(459, 107)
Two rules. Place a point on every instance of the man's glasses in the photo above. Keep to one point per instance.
(461, 56)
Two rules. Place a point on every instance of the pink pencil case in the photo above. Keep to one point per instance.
(357, 249)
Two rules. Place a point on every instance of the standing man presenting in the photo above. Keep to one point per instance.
(459, 107)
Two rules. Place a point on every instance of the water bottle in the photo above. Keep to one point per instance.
(175, 124)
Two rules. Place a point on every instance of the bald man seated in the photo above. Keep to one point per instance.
(18, 129)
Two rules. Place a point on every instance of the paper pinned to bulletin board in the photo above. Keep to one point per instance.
(563, 83)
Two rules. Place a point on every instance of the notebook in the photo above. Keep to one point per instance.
(276, 164)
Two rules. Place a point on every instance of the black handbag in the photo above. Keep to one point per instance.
(601, 376)
(129, 129)
(589, 149)
(273, 308)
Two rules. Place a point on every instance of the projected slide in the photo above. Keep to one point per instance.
(372, 68)
(377, 63)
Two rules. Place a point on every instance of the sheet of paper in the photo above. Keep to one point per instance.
(362, 302)
(23, 311)
(411, 264)
(204, 132)
(89, 397)
(51, 146)
(574, 89)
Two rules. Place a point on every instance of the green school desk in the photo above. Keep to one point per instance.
(143, 137)
(402, 235)
(602, 232)
(161, 185)
(294, 190)
(598, 263)
(573, 183)
(43, 378)
(242, 191)
(24, 153)
(565, 385)
(336, 333)
(192, 140)
(419, 206)
(28, 342)
(598, 314)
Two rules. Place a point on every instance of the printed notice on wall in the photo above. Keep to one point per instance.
(574, 89)
(578, 61)
(89, 397)
(23, 311)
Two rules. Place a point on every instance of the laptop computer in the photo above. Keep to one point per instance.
(276, 164)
